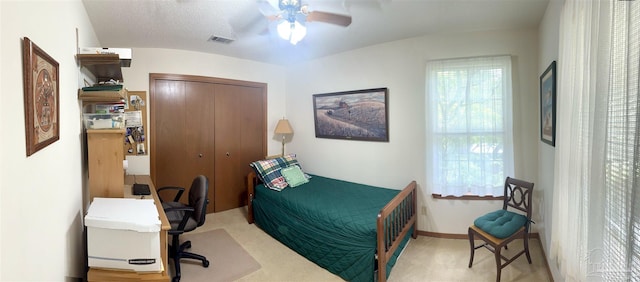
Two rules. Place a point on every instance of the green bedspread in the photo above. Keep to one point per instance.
(330, 222)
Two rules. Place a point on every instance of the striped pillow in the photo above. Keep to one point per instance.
(269, 171)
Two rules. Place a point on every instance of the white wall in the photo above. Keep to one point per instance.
(41, 196)
(400, 66)
(549, 45)
(147, 61)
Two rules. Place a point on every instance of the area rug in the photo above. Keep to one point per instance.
(228, 260)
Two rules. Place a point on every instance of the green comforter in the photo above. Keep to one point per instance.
(330, 222)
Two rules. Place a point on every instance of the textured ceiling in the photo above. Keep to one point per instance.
(188, 24)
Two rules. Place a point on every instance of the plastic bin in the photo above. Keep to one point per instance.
(104, 121)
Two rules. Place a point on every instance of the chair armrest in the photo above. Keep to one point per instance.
(185, 217)
(175, 188)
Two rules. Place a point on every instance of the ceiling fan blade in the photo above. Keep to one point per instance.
(337, 19)
(268, 11)
(253, 19)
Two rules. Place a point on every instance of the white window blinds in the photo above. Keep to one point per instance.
(622, 175)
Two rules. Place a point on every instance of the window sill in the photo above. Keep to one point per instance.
(468, 197)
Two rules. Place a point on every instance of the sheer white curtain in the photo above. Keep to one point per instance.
(469, 134)
(596, 229)
(577, 88)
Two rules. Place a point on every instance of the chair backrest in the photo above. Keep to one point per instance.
(198, 198)
(518, 194)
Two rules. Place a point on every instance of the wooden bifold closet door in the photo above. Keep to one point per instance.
(208, 126)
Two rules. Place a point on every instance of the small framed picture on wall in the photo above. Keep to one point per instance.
(548, 105)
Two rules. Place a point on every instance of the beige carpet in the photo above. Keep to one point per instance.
(228, 260)
(424, 259)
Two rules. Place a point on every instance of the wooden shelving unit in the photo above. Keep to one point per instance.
(103, 66)
(105, 155)
(102, 96)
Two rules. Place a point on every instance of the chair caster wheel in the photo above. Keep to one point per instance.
(187, 245)
(175, 279)
(205, 263)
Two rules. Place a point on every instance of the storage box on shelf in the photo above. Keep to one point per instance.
(124, 234)
(108, 274)
(103, 120)
(104, 108)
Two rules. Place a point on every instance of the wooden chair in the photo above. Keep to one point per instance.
(499, 228)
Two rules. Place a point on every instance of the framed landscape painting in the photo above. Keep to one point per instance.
(352, 115)
(548, 105)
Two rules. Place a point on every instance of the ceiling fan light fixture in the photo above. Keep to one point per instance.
(291, 8)
(292, 31)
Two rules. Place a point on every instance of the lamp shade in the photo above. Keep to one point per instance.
(283, 127)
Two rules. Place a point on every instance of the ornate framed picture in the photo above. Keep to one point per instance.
(548, 105)
(354, 115)
(41, 97)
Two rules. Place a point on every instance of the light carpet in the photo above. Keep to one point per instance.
(228, 260)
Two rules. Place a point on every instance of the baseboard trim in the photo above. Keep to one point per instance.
(466, 237)
(546, 262)
(458, 236)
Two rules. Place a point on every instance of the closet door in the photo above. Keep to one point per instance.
(239, 140)
(184, 134)
(199, 133)
(169, 106)
(209, 126)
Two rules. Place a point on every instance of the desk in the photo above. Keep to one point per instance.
(115, 275)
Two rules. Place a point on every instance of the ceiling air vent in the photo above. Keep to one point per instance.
(220, 39)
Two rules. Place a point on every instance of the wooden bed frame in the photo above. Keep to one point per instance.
(395, 220)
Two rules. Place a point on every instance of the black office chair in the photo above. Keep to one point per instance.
(185, 218)
(501, 227)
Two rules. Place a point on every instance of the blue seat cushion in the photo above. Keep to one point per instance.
(501, 223)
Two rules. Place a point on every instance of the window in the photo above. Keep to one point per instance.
(469, 136)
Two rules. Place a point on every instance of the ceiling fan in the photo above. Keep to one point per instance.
(293, 12)
(289, 9)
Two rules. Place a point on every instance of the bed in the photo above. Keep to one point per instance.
(353, 230)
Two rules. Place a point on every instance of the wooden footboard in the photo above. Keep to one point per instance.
(395, 220)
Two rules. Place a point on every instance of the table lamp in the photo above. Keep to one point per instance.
(283, 128)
